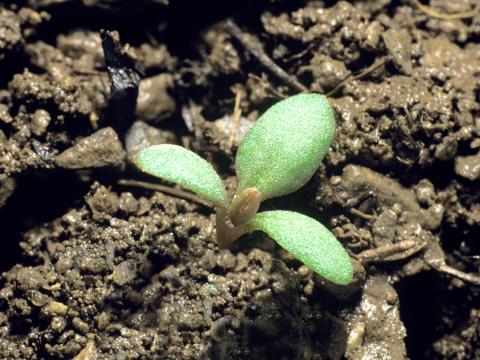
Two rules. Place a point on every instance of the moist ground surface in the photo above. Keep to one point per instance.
(97, 264)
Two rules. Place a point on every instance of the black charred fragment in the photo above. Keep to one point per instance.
(124, 78)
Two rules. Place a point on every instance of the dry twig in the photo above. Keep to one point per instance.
(237, 112)
(254, 48)
(393, 252)
(447, 269)
(165, 189)
(301, 53)
(363, 215)
(361, 74)
(439, 15)
(267, 86)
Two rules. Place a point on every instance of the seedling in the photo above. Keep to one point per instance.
(278, 155)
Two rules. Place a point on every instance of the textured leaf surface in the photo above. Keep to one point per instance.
(177, 164)
(283, 149)
(309, 241)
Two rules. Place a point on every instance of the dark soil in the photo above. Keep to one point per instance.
(97, 265)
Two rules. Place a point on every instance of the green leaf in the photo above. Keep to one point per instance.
(307, 240)
(283, 149)
(177, 164)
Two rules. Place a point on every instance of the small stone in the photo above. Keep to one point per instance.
(72, 218)
(372, 35)
(5, 114)
(29, 278)
(153, 101)
(170, 273)
(63, 264)
(89, 352)
(398, 44)
(80, 325)
(326, 72)
(30, 16)
(54, 308)
(425, 192)
(40, 122)
(36, 298)
(304, 272)
(468, 166)
(127, 203)
(10, 31)
(226, 260)
(308, 289)
(447, 149)
(92, 264)
(435, 216)
(355, 338)
(21, 307)
(72, 347)
(141, 319)
(102, 203)
(6, 293)
(124, 272)
(58, 324)
(103, 148)
(142, 135)
(103, 319)
(224, 126)
(475, 143)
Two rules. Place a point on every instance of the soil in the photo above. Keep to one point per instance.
(97, 264)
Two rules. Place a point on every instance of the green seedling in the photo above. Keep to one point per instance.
(278, 155)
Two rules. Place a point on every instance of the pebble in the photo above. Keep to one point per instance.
(89, 352)
(55, 308)
(102, 202)
(103, 148)
(103, 319)
(398, 44)
(127, 203)
(124, 272)
(141, 135)
(5, 114)
(41, 120)
(224, 125)
(58, 324)
(468, 166)
(80, 325)
(153, 101)
(29, 278)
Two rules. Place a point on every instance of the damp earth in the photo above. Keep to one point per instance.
(101, 262)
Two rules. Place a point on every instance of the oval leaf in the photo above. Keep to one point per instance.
(283, 149)
(309, 241)
(177, 164)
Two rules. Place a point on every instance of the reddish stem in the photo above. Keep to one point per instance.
(227, 233)
(232, 220)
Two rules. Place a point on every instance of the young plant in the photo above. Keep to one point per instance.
(278, 155)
